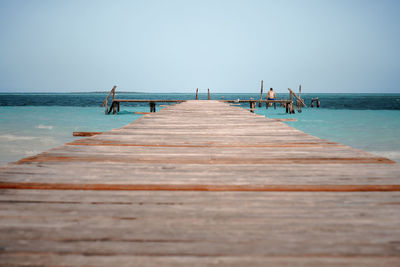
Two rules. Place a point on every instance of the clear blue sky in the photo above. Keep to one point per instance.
(176, 46)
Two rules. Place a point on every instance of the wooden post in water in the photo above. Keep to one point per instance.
(252, 106)
(291, 109)
(197, 93)
(114, 106)
(315, 100)
(208, 93)
(300, 91)
(261, 95)
(152, 106)
(299, 105)
(106, 104)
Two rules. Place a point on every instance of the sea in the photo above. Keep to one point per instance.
(31, 123)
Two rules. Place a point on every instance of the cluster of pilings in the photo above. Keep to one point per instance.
(316, 100)
(197, 94)
(288, 104)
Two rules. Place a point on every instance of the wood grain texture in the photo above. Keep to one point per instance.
(85, 133)
(201, 183)
(203, 187)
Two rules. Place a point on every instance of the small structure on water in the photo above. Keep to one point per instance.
(287, 103)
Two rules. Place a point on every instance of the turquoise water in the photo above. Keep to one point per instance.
(376, 131)
(32, 123)
(27, 131)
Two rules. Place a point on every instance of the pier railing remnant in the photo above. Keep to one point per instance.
(288, 104)
(299, 102)
(105, 103)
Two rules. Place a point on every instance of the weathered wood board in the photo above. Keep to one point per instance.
(137, 196)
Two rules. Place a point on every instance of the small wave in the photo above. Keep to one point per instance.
(11, 137)
(316, 120)
(48, 127)
(31, 152)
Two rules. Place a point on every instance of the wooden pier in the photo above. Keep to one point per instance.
(288, 104)
(196, 184)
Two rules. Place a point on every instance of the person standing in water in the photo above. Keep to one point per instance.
(271, 95)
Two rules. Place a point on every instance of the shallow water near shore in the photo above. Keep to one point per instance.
(26, 131)
(375, 131)
(30, 126)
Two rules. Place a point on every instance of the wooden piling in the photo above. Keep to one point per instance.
(252, 106)
(315, 100)
(261, 94)
(299, 105)
(291, 109)
(197, 93)
(114, 107)
(152, 106)
(300, 91)
(114, 104)
(106, 105)
(208, 93)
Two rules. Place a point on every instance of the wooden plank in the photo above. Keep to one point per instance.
(203, 187)
(198, 227)
(145, 173)
(85, 133)
(209, 160)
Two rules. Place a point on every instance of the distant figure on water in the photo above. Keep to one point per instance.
(271, 96)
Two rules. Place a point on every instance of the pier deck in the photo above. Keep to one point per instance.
(201, 183)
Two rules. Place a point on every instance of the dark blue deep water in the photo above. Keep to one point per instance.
(329, 101)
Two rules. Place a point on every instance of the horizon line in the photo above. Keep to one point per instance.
(138, 92)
